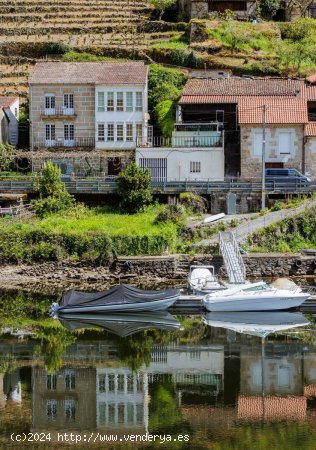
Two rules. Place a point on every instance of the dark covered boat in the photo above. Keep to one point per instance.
(121, 324)
(122, 298)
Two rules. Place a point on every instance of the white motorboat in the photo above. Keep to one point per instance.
(255, 324)
(254, 297)
(202, 280)
(122, 298)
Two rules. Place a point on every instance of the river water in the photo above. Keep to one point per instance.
(155, 381)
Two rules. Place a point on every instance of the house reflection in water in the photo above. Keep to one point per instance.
(10, 388)
(116, 398)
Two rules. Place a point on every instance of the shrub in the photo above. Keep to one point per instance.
(6, 156)
(56, 48)
(53, 193)
(166, 116)
(164, 84)
(134, 188)
(170, 213)
(196, 203)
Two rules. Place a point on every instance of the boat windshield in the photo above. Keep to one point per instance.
(258, 287)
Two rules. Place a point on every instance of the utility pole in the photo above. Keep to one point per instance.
(263, 172)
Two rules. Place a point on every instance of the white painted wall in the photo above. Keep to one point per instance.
(121, 116)
(12, 115)
(178, 162)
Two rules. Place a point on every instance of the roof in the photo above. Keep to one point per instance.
(6, 102)
(242, 86)
(110, 73)
(311, 79)
(279, 110)
(310, 129)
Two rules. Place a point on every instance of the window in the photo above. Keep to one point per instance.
(129, 132)
(129, 101)
(51, 409)
(101, 102)
(139, 101)
(49, 101)
(68, 101)
(70, 409)
(51, 381)
(195, 167)
(257, 142)
(70, 379)
(101, 132)
(69, 132)
(120, 382)
(139, 130)
(285, 142)
(119, 101)
(111, 380)
(102, 383)
(110, 103)
(119, 132)
(50, 132)
(110, 133)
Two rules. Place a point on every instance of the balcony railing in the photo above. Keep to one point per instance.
(57, 111)
(64, 143)
(182, 141)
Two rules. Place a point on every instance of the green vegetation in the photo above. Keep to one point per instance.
(88, 234)
(73, 56)
(56, 48)
(54, 196)
(6, 156)
(162, 5)
(165, 87)
(289, 235)
(134, 188)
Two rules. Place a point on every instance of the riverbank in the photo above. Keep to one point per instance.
(56, 277)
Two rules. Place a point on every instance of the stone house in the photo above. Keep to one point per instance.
(238, 105)
(9, 125)
(94, 107)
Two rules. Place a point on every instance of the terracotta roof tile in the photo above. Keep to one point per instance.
(110, 73)
(311, 79)
(279, 110)
(243, 86)
(310, 129)
(6, 102)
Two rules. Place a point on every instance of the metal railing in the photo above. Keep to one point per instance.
(57, 111)
(232, 257)
(104, 185)
(181, 141)
(60, 142)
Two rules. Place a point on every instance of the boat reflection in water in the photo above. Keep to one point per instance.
(271, 388)
(122, 324)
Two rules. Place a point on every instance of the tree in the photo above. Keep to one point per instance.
(162, 5)
(269, 8)
(53, 193)
(134, 188)
(6, 156)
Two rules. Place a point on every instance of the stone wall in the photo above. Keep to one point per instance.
(84, 108)
(310, 156)
(251, 164)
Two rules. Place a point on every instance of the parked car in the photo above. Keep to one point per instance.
(285, 175)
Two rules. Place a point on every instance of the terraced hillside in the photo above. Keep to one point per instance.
(104, 24)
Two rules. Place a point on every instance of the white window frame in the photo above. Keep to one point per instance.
(110, 137)
(120, 126)
(120, 98)
(101, 132)
(50, 134)
(50, 104)
(129, 101)
(101, 101)
(68, 104)
(69, 134)
(257, 135)
(283, 132)
(129, 135)
(139, 102)
(110, 102)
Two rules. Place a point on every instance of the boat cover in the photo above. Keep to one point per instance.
(118, 295)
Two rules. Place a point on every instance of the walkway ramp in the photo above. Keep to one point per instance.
(232, 258)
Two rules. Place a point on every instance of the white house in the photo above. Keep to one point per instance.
(9, 125)
(195, 152)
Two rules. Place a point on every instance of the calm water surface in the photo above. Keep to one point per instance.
(185, 381)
